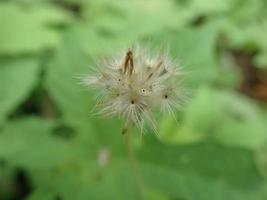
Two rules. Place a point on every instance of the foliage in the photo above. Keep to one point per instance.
(48, 135)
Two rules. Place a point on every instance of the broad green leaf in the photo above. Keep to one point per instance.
(221, 115)
(245, 26)
(174, 132)
(6, 174)
(248, 36)
(242, 123)
(116, 182)
(261, 28)
(183, 185)
(76, 102)
(115, 25)
(208, 7)
(28, 29)
(232, 166)
(122, 18)
(261, 159)
(246, 11)
(18, 77)
(229, 75)
(192, 49)
(208, 154)
(65, 187)
(29, 143)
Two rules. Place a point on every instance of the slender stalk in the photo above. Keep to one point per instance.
(133, 162)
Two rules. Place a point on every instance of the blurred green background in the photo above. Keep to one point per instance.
(51, 148)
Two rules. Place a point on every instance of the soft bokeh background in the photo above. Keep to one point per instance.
(51, 148)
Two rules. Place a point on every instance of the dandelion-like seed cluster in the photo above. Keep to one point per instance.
(135, 84)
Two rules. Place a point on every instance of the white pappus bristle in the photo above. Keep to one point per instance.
(135, 84)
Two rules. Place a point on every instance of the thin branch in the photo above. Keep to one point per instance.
(132, 160)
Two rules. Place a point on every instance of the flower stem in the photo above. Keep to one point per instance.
(133, 162)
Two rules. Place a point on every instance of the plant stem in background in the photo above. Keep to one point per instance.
(132, 161)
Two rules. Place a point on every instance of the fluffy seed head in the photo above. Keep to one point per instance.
(136, 83)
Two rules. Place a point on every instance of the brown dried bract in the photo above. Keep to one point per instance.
(128, 64)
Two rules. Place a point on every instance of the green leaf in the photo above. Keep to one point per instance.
(173, 132)
(74, 101)
(261, 28)
(28, 29)
(208, 7)
(29, 143)
(122, 18)
(222, 116)
(193, 50)
(65, 187)
(18, 77)
(116, 182)
(183, 185)
(189, 171)
(242, 123)
(232, 166)
(246, 11)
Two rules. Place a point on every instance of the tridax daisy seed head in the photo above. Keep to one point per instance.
(136, 83)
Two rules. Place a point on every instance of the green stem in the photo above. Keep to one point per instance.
(133, 162)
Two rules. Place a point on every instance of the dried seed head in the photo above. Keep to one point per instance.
(134, 84)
